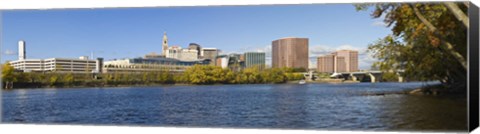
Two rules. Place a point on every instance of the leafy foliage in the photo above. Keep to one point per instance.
(8, 72)
(427, 41)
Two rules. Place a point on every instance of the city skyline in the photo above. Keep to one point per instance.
(102, 31)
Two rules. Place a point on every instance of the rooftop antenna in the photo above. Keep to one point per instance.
(91, 55)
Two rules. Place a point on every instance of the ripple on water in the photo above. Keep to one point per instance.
(309, 106)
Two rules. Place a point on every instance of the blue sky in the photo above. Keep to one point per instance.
(133, 32)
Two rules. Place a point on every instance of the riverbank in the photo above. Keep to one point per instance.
(433, 90)
(102, 85)
(439, 90)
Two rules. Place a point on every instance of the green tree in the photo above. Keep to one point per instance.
(69, 79)
(145, 78)
(428, 40)
(8, 72)
(53, 80)
(8, 75)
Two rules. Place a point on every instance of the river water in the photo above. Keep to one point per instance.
(285, 106)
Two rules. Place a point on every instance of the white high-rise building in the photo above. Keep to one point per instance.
(21, 50)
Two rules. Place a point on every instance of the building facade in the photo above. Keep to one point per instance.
(140, 65)
(195, 46)
(339, 61)
(28, 65)
(211, 54)
(254, 59)
(290, 52)
(222, 61)
(340, 64)
(326, 64)
(351, 59)
(60, 65)
(177, 52)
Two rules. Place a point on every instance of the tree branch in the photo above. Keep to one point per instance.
(458, 13)
(433, 29)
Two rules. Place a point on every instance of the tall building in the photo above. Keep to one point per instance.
(339, 61)
(340, 64)
(22, 50)
(326, 64)
(211, 54)
(290, 52)
(254, 59)
(165, 44)
(351, 59)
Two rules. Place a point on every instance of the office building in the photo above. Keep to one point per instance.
(66, 65)
(210, 53)
(28, 65)
(232, 61)
(351, 59)
(195, 46)
(326, 64)
(222, 61)
(290, 52)
(340, 64)
(339, 61)
(140, 65)
(254, 59)
(59, 65)
(235, 63)
(177, 52)
(331, 64)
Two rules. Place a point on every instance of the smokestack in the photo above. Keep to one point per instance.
(21, 50)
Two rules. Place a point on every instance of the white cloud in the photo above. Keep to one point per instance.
(9, 52)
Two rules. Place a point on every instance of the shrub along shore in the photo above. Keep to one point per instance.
(196, 75)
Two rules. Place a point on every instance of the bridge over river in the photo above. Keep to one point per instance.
(362, 76)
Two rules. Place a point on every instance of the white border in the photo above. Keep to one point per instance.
(56, 4)
(62, 4)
